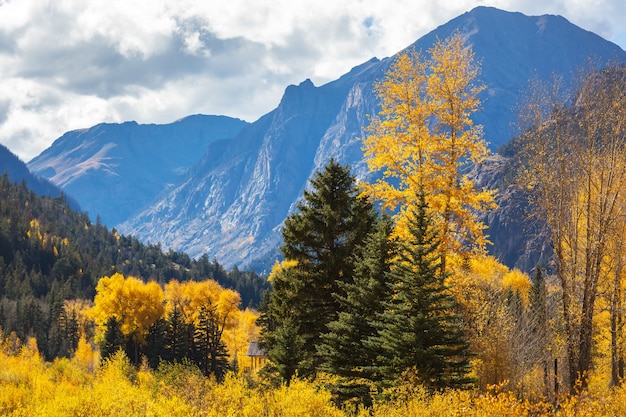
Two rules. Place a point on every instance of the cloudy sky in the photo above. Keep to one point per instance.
(70, 64)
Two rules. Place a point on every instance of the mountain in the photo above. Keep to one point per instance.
(232, 203)
(115, 169)
(17, 171)
(513, 48)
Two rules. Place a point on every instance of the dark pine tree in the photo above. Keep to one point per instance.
(56, 346)
(345, 348)
(210, 352)
(113, 339)
(419, 330)
(330, 224)
(72, 331)
(280, 336)
(155, 348)
(177, 337)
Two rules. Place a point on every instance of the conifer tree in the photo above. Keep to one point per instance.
(345, 348)
(72, 332)
(113, 338)
(320, 239)
(419, 330)
(177, 340)
(210, 351)
(280, 335)
(155, 349)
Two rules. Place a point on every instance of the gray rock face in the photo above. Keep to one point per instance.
(115, 170)
(231, 204)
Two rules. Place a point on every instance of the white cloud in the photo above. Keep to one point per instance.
(70, 64)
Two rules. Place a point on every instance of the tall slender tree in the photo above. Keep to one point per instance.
(424, 136)
(345, 348)
(177, 336)
(320, 238)
(574, 154)
(419, 329)
(209, 348)
(113, 338)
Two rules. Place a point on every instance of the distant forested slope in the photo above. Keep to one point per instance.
(49, 253)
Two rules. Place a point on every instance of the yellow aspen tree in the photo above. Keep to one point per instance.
(574, 151)
(424, 138)
(237, 338)
(617, 261)
(493, 301)
(136, 305)
(190, 296)
(85, 356)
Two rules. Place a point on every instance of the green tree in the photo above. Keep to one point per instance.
(419, 329)
(210, 351)
(156, 344)
(280, 334)
(285, 348)
(177, 337)
(345, 348)
(113, 338)
(319, 240)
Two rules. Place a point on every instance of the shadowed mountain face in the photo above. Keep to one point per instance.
(115, 170)
(18, 172)
(232, 201)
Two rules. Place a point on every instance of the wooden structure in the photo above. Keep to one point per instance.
(257, 356)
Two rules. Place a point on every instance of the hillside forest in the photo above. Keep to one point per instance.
(385, 301)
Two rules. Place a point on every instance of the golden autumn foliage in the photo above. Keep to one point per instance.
(237, 337)
(424, 140)
(190, 296)
(34, 388)
(574, 156)
(495, 304)
(280, 267)
(135, 304)
(80, 310)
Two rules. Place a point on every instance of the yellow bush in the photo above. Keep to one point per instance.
(31, 387)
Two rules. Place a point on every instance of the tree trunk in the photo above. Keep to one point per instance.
(616, 319)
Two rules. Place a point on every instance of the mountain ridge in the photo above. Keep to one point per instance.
(129, 160)
(232, 202)
(17, 172)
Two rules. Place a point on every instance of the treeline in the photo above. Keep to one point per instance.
(194, 322)
(355, 301)
(49, 254)
(366, 303)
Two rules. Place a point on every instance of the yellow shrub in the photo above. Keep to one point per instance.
(301, 398)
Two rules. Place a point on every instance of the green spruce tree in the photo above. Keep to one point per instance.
(177, 337)
(345, 348)
(280, 335)
(155, 349)
(419, 330)
(113, 339)
(210, 352)
(330, 224)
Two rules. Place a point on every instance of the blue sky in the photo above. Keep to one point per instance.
(71, 64)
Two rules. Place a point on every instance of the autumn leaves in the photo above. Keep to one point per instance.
(183, 319)
(424, 141)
